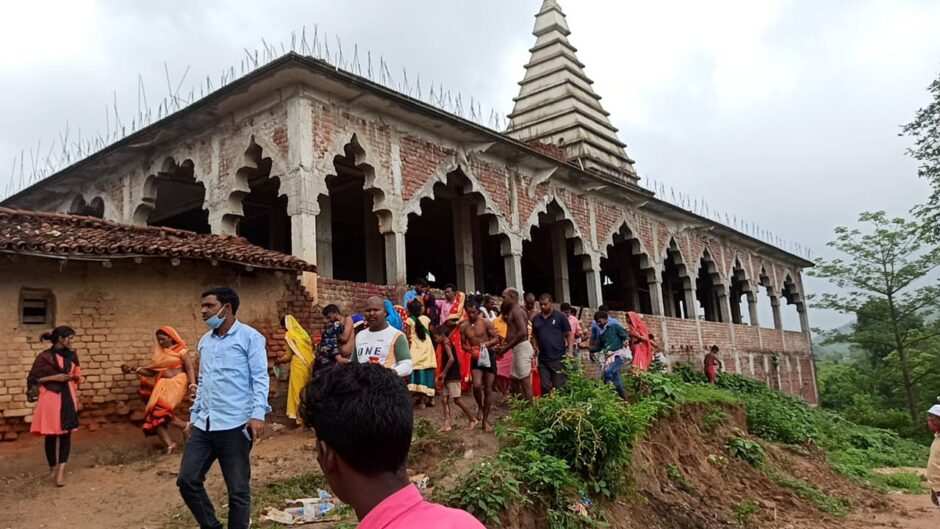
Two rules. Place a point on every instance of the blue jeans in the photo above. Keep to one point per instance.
(612, 374)
(232, 449)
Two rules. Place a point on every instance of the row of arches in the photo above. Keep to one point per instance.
(453, 236)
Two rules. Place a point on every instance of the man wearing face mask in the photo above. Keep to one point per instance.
(228, 415)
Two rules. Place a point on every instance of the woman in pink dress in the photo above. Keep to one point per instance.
(57, 374)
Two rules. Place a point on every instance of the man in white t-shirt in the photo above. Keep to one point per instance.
(380, 343)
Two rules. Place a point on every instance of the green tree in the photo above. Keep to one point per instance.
(884, 272)
(925, 131)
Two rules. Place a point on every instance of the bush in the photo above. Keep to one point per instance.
(689, 374)
(778, 417)
(556, 449)
(743, 448)
(586, 425)
(487, 492)
(904, 481)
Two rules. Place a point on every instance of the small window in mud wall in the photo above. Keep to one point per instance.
(37, 307)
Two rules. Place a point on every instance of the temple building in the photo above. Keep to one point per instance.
(378, 188)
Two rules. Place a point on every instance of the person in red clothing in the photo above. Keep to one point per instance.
(363, 418)
(712, 364)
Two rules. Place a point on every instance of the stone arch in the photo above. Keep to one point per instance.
(790, 291)
(354, 215)
(174, 197)
(94, 208)
(555, 256)
(677, 286)
(710, 289)
(256, 206)
(740, 285)
(627, 273)
(484, 207)
(453, 235)
(541, 208)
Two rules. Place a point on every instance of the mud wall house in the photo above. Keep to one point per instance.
(115, 285)
(379, 188)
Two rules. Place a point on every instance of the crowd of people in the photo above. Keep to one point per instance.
(478, 346)
(355, 382)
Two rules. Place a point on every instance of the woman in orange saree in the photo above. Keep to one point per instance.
(164, 383)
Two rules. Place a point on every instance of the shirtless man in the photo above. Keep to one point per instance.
(531, 307)
(478, 334)
(517, 339)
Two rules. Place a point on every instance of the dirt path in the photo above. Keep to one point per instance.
(118, 478)
(910, 512)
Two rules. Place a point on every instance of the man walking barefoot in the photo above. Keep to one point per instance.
(478, 336)
(228, 415)
(517, 340)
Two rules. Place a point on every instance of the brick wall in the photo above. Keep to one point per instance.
(115, 312)
(787, 369)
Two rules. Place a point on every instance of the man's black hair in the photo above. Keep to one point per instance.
(330, 309)
(603, 307)
(565, 306)
(600, 315)
(714, 349)
(546, 297)
(471, 304)
(225, 295)
(421, 282)
(450, 286)
(364, 412)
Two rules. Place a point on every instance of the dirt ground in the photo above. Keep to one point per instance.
(117, 478)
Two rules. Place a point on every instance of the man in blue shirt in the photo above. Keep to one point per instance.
(228, 415)
(554, 340)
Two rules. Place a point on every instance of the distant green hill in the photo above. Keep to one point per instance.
(834, 352)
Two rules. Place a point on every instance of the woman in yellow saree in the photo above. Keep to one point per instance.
(164, 383)
(300, 355)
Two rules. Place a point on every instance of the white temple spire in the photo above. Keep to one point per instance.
(557, 104)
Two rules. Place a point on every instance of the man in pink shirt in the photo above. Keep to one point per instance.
(575, 323)
(363, 417)
(446, 304)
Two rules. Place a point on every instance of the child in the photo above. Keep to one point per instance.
(450, 378)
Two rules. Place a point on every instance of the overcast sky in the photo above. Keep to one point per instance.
(784, 113)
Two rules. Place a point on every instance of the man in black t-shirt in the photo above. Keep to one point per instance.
(553, 340)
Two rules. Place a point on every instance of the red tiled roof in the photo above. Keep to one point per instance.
(75, 236)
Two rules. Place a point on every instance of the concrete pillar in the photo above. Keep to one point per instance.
(375, 271)
(656, 296)
(303, 229)
(560, 263)
(691, 304)
(735, 309)
(463, 245)
(804, 317)
(395, 258)
(752, 309)
(324, 230)
(222, 222)
(724, 308)
(477, 236)
(592, 271)
(775, 307)
(512, 265)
